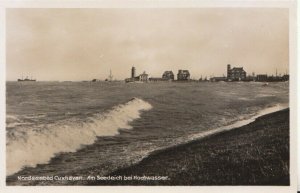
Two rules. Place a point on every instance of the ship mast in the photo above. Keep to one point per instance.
(110, 77)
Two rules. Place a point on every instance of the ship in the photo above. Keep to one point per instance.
(110, 77)
(26, 80)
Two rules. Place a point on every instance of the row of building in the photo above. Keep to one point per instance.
(239, 74)
(233, 74)
(182, 75)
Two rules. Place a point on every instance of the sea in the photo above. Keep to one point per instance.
(94, 128)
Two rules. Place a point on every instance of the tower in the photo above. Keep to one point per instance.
(228, 71)
(132, 72)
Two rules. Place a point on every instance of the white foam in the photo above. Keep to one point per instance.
(239, 123)
(32, 146)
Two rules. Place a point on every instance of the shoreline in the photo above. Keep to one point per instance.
(253, 154)
(238, 124)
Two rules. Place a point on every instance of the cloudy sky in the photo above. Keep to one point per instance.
(82, 44)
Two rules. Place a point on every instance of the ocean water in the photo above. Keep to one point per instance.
(94, 128)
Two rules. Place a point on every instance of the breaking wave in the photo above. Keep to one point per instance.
(32, 146)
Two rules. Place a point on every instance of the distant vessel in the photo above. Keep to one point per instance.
(110, 77)
(26, 80)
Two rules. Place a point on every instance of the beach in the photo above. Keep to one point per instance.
(254, 154)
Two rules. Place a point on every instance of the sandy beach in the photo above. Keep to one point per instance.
(254, 154)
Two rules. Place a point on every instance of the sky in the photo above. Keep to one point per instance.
(83, 44)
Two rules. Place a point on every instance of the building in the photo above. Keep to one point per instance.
(217, 79)
(154, 79)
(168, 75)
(250, 78)
(236, 73)
(285, 77)
(183, 75)
(261, 77)
(140, 78)
(143, 77)
(203, 80)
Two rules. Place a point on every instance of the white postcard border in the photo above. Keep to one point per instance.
(294, 105)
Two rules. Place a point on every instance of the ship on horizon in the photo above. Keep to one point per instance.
(26, 80)
(110, 77)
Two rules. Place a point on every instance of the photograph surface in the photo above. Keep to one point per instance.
(147, 96)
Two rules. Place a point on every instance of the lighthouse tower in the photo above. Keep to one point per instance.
(132, 72)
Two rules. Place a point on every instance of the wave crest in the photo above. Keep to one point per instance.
(32, 146)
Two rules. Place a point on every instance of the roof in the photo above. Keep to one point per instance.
(237, 68)
(183, 72)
